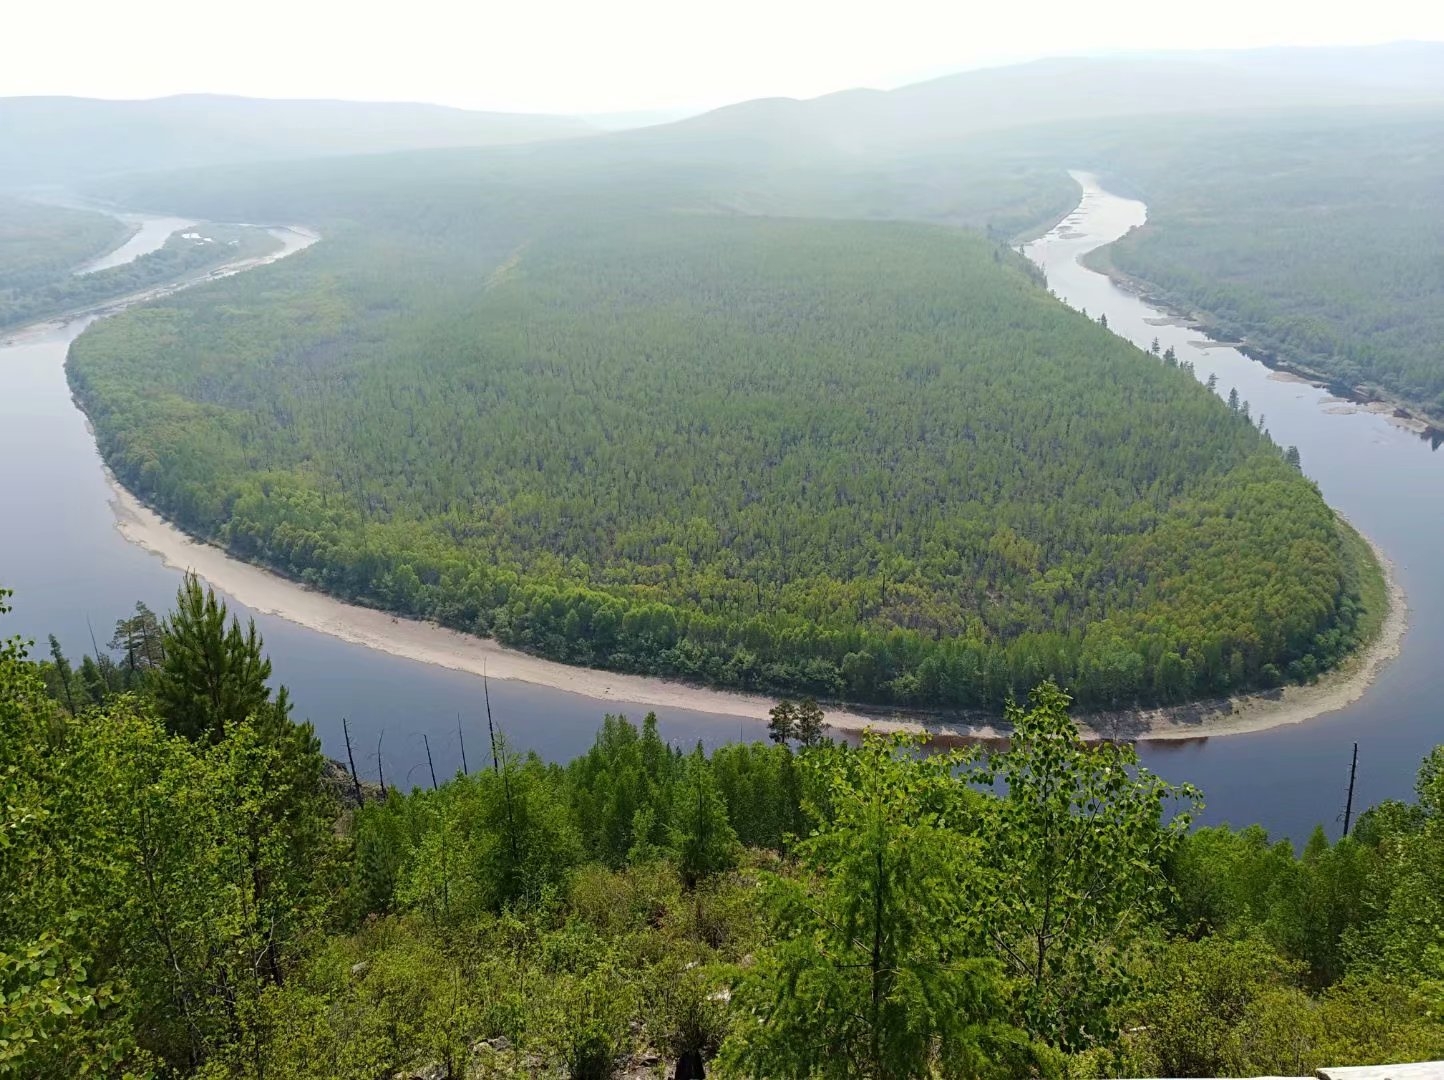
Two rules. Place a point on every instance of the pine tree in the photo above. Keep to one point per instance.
(213, 676)
(141, 638)
(702, 835)
(782, 725)
(63, 674)
(809, 723)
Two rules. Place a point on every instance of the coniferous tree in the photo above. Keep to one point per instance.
(879, 967)
(782, 722)
(213, 675)
(63, 673)
(809, 723)
(702, 837)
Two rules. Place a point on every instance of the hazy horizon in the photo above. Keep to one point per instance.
(639, 56)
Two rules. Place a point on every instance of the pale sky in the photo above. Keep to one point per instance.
(584, 56)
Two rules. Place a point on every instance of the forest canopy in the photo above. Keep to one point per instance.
(39, 242)
(851, 459)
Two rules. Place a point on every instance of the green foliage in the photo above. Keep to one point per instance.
(1405, 884)
(173, 907)
(877, 968)
(490, 840)
(622, 791)
(212, 677)
(763, 791)
(1237, 882)
(1076, 847)
(155, 887)
(702, 838)
(1222, 1007)
(1315, 239)
(1211, 1005)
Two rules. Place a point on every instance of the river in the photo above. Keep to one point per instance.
(73, 572)
(150, 234)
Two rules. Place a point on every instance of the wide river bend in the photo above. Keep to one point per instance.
(75, 573)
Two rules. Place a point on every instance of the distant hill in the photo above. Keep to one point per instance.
(58, 140)
(1062, 90)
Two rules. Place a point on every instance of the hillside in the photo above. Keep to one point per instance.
(1061, 90)
(192, 890)
(64, 141)
(854, 459)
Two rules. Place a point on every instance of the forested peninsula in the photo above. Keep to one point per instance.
(612, 423)
(852, 459)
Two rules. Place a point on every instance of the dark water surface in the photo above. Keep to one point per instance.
(71, 569)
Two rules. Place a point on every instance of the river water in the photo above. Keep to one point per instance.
(150, 234)
(74, 574)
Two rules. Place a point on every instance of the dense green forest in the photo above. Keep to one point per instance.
(850, 459)
(188, 889)
(37, 268)
(1315, 238)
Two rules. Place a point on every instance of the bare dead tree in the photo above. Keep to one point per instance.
(429, 763)
(351, 760)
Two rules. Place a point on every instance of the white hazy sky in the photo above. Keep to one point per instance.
(579, 56)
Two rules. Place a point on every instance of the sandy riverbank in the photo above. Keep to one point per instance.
(269, 593)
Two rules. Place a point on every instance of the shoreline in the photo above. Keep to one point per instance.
(269, 593)
(1407, 414)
